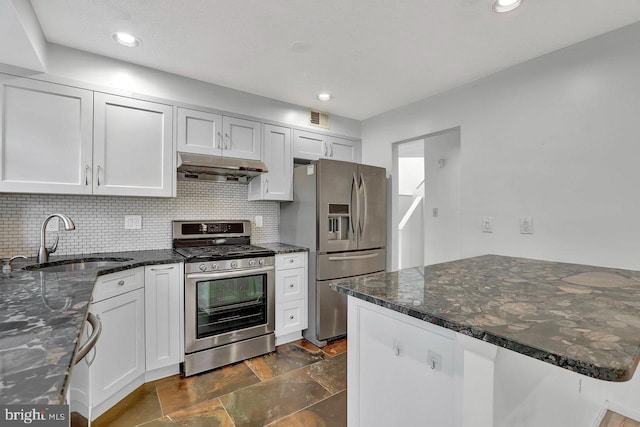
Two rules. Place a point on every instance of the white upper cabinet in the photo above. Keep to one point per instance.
(241, 138)
(200, 132)
(133, 147)
(344, 149)
(277, 184)
(314, 146)
(309, 145)
(46, 144)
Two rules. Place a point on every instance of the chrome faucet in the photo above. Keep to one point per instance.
(43, 251)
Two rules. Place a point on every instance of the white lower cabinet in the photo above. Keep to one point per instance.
(120, 348)
(291, 296)
(163, 319)
(401, 371)
(141, 312)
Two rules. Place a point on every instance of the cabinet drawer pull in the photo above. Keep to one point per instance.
(291, 260)
(291, 285)
(86, 174)
(291, 317)
(120, 282)
(162, 269)
(98, 174)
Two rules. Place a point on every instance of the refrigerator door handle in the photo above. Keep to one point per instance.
(354, 187)
(351, 257)
(362, 222)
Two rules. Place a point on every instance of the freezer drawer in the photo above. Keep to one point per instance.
(347, 264)
(331, 312)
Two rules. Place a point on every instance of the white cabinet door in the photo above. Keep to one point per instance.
(344, 149)
(277, 184)
(199, 132)
(309, 145)
(163, 315)
(402, 375)
(133, 147)
(241, 138)
(120, 357)
(46, 137)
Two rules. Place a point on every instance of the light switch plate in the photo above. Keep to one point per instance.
(258, 221)
(487, 224)
(526, 225)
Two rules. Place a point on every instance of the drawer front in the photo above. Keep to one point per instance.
(291, 284)
(287, 261)
(118, 283)
(291, 317)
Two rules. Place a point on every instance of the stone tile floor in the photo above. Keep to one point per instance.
(297, 385)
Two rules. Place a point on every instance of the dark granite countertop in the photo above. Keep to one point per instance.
(41, 317)
(582, 318)
(282, 248)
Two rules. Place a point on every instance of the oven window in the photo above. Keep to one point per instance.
(230, 304)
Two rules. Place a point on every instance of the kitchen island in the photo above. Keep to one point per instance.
(476, 332)
(42, 315)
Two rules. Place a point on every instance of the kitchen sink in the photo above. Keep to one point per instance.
(76, 264)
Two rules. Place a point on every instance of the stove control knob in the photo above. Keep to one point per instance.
(252, 262)
(234, 264)
(261, 262)
(214, 266)
(202, 267)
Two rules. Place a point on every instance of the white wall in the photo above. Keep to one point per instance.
(65, 65)
(442, 191)
(555, 138)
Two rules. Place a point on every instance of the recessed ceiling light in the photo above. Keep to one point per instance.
(502, 6)
(127, 39)
(324, 96)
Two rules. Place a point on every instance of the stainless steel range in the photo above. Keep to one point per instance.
(229, 294)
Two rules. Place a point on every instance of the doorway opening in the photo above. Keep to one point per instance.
(426, 200)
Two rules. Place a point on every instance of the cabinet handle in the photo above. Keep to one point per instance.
(162, 269)
(291, 317)
(324, 148)
(227, 141)
(219, 143)
(331, 155)
(98, 173)
(266, 189)
(95, 323)
(86, 174)
(291, 285)
(120, 282)
(291, 260)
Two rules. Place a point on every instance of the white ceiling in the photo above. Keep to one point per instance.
(372, 55)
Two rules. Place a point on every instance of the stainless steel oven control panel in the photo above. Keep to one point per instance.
(228, 264)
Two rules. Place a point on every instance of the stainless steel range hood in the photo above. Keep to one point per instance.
(218, 168)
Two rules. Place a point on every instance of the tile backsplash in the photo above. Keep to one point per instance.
(100, 219)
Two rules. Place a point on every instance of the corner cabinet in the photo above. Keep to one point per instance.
(133, 147)
(291, 296)
(314, 146)
(66, 140)
(277, 184)
(163, 319)
(202, 132)
(46, 137)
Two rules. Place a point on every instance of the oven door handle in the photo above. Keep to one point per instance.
(225, 275)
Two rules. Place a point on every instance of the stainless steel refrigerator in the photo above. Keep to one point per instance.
(339, 212)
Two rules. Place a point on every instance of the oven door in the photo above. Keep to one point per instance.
(222, 308)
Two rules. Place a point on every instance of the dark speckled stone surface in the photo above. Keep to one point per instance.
(582, 318)
(41, 316)
(282, 248)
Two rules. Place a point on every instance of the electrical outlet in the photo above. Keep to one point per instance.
(526, 225)
(487, 224)
(133, 222)
(258, 221)
(53, 225)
